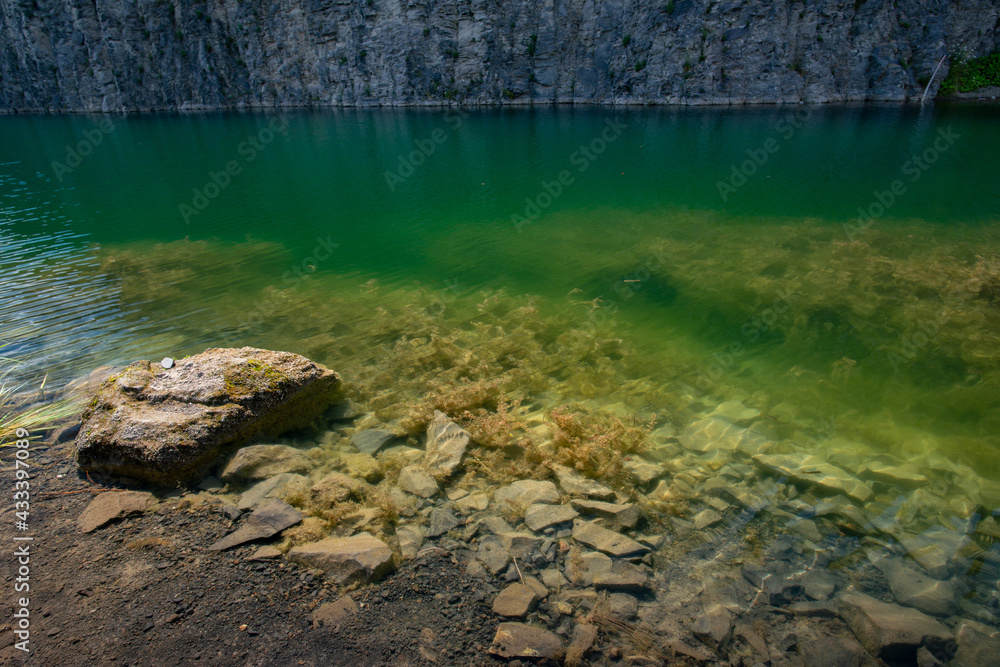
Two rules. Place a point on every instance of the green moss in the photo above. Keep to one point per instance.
(253, 378)
(971, 75)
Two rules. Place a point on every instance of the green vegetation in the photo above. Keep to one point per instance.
(23, 416)
(532, 45)
(626, 40)
(971, 75)
(670, 7)
(640, 65)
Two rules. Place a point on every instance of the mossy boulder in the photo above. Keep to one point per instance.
(170, 426)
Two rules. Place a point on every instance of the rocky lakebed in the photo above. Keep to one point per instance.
(239, 507)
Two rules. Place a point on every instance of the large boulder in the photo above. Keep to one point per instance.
(169, 426)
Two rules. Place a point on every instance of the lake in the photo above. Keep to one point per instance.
(832, 275)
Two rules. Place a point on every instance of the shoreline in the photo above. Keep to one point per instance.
(958, 99)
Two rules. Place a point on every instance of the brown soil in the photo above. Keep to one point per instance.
(145, 591)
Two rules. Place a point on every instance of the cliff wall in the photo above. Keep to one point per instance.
(129, 55)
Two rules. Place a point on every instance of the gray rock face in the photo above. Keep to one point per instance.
(165, 426)
(346, 560)
(446, 443)
(77, 55)
(889, 631)
(262, 461)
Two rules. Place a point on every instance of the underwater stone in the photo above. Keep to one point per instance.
(410, 537)
(371, 440)
(640, 471)
(344, 411)
(815, 471)
(415, 480)
(608, 541)
(834, 652)
(262, 461)
(360, 558)
(515, 601)
(900, 476)
(517, 640)
(914, 589)
(266, 521)
(539, 517)
(169, 426)
(620, 516)
(735, 412)
(446, 443)
(112, 505)
(713, 433)
(441, 521)
(274, 487)
(889, 631)
(574, 483)
(526, 492)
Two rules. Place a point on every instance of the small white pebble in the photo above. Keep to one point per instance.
(167, 362)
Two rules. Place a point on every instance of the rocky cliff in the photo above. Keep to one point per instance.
(60, 55)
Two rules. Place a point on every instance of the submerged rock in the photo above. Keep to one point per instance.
(346, 560)
(371, 440)
(607, 541)
(257, 462)
(539, 517)
(112, 505)
(268, 520)
(519, 640)
(446, 443)
(274, 487)
(169, 426)
(915, 589)
(573, 483)
(521, 494)
(817, 472)
(889, 631)
(414, 479)
(515, 601)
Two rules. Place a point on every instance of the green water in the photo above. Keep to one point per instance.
(642, 285)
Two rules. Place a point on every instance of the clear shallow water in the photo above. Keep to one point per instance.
(637, 284)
